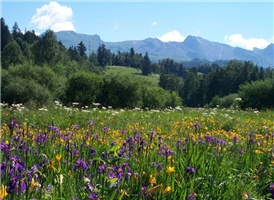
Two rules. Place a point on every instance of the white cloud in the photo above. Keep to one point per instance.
(53, 16)
(238, 40)
(173, 36)
(154, 23)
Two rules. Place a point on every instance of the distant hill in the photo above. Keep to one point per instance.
(192, 47)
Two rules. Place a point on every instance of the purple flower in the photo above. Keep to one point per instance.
(196, 125)
(91, 123)
(111, 175)
(190, 169)
(102, 168)
(192, 196)
(235, 139)
(123, 132)
(49, 188)
(80, 164)
(106, 129)
(271, 189)
(93, 195)
(92, 152)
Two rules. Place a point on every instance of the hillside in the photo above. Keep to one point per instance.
(153, 78)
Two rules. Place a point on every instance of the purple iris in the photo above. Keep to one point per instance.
(196, 125)
(92, 152)
(190, 169)
(106, 129)
(91, 123)
(271, 189)
(93, 195)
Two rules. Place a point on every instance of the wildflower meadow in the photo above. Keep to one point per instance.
(103, 153)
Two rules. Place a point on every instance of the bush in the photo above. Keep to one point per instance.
(44, 76)
(22, 90)
(229, 101)
(156, 97)
(121, 91)
(224, 102)
(257, 94)
(84, 88)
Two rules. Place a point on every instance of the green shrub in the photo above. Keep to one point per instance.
(257, 94)
(22, 90)
(84, 88)
(121, 91)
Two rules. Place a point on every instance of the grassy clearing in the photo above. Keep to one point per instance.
(153, 78)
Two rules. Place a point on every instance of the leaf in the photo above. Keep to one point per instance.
(99, 159)
(118, 159)
(113, 195)
(155, 189)
(121, 197)
(113, 180)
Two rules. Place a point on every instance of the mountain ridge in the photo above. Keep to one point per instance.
(192, 47)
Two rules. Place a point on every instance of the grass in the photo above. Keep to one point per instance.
(136, 154)
(153, 78)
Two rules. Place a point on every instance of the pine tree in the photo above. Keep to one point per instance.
(81, 49)
(146, 69)
(16, 32)
(5, 34)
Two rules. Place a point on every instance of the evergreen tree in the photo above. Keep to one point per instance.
(46, 50)
(30, 37)
(5, 34)
(132, 52)
(16, 32)
(81, 49)
(12, 55)
(146, 70)
(191, 88)
(103, 55)
(73, 53)
(93, 59)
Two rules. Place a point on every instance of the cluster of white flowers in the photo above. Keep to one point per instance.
(43, 109)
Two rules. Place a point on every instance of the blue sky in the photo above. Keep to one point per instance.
(244, 24)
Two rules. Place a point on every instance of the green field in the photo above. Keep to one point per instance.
(153, 78)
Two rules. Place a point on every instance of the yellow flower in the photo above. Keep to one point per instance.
(3, 192)
(32, 185)
(51, 166)
(170, 170)
(167, 190)
(58, 157)
(125, 192)
(152, 179)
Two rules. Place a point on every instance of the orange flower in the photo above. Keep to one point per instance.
(152, 179)
(170, 170)
(255, 177)
(245, 195)
(32, 185)
(167, 190)
(58, 157)
(3, 192)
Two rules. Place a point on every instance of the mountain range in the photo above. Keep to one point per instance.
(192, 47)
